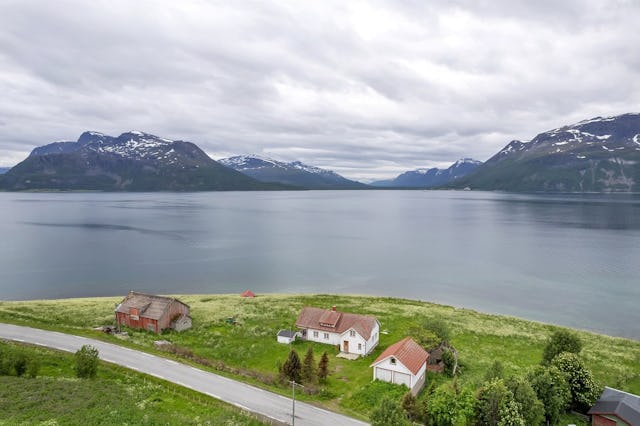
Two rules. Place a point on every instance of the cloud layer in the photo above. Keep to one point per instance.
(368, 89)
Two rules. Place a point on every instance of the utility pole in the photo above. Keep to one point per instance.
(293, 399)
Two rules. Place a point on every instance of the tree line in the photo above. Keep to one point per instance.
(559, 384)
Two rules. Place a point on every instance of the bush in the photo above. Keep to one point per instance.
(448, 405)
(552, 390)
(449, 361)
(389, 413)
(440, 328)
(86, 362)
(561, 341)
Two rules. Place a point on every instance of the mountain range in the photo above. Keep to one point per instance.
(428, 178)
(294, 173)
(133, 161)
(595, 155)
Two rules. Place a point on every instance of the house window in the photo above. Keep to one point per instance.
(393, 361)
(352, 333)
(315, 334)
(326, 336)
(359, 346)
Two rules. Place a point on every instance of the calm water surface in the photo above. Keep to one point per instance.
(570, 260)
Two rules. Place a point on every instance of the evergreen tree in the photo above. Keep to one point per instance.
(292, 367)
(323, 368)
(309, 372)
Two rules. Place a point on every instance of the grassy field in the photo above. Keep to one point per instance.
(249, 348)
(116, 396)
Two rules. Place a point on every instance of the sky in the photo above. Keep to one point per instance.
(367, 89)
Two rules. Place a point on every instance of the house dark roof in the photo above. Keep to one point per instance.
(336, 322)
(287, 333)
(408, 352)
(148, 305)
(624, 405)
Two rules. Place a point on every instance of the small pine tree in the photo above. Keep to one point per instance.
(33, 368)
(309, 372)
(292, 367)
(323, 368)
(86, 362)
(449, 361)
(495, 371)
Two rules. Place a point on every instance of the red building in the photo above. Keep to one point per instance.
(153, 313)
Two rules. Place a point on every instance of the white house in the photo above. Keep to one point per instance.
(287, 336)
(403, 363)
(355, 334)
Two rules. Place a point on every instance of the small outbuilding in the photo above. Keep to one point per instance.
(287, 336)
(248, 293)
(153, 313)
(615, 407)
(403, 363)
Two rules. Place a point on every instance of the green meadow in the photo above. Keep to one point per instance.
(116, 396)
(248, 349)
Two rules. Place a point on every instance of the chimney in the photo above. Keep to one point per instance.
(333, 308)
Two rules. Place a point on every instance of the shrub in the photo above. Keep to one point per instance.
(389, 413)
(440, 328)
(449, 361)
(20, 364)
(86, 362)
(496, 371)
(561, 341)
(448, 405)
(552, 390)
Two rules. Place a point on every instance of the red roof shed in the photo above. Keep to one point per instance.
(248, 293)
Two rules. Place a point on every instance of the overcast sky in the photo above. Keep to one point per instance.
(368, 89)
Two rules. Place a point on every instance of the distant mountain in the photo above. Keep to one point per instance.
(600, 155)
(133, 161)
(295, 173)
(426, 178)
(4, 170)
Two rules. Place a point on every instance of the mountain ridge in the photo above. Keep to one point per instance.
(133, 161)
(593, 155)
(428, 178)
(294, 173)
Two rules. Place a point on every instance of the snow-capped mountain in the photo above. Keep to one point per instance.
(599, 154)
(294, 173)
(133, 161)
(427, 178)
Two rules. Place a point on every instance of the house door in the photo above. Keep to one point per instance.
(345, 346)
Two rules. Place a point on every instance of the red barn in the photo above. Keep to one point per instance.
(153, 313)
(247, 293)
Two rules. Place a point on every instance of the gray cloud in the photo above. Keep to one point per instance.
(367, 89)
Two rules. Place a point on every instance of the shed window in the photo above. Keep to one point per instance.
(326, 336)
(315, 334)
(393, 361)
(352, 333)
(359, 346)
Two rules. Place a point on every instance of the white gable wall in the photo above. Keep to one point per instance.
(366, 346)
(398, 374)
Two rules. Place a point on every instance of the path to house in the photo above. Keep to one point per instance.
(247, 397)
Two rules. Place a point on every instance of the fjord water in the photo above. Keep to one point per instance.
(564, 259)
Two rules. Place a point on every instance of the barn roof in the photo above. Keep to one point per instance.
(408, 352)
(336, 322)
(247, 293)
(625, 406)
(148, 305)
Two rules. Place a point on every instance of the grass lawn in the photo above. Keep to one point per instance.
(250, 346)
(116, 396)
